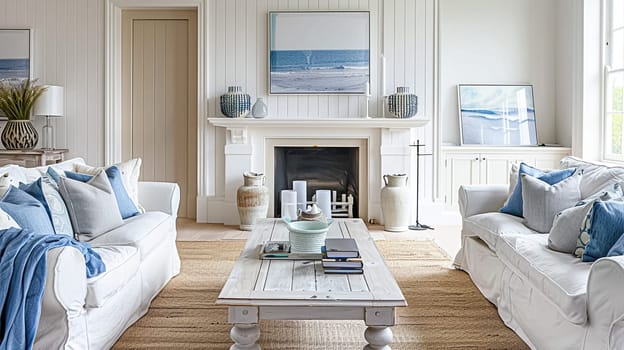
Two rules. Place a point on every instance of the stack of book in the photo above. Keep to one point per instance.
(341, 256)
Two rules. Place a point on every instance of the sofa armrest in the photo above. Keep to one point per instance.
(62, 320)
(160, 196)
(605, 305)
(479, 199)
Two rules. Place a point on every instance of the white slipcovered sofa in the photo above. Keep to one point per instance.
(140, 258)
(551, 300)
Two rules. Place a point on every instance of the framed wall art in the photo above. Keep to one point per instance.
(319, 52)
(497, 115)
(15, 54)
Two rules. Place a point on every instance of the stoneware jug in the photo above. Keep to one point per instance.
(395, 203)
(252, 200)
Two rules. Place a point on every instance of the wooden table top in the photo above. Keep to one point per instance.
(254, 281)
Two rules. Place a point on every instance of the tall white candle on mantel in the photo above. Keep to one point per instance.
(367, 89)
(301, 187)
(383, 75)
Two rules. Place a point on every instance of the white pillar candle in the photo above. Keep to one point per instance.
(383, 75)
(301, 187)
(289, 204)
(367, 89)
(323, 200)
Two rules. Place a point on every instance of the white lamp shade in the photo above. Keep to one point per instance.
(51, 102)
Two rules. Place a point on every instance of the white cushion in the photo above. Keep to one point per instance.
(541, 201)
(122, 263)
(130, 173)
(491, 226)
(561, 277)
(595, 176)
(143, 231)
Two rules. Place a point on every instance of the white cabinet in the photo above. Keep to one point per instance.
(490, 165)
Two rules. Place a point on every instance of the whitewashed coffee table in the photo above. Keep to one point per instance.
(299, 290)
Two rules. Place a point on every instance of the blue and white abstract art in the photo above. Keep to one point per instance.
(497, 115)
(319, 52)
(14, 53)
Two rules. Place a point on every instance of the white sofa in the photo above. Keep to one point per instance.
(140, 258)
(551, 300)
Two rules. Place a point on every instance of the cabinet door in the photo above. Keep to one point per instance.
(495, 167)
(461, 169)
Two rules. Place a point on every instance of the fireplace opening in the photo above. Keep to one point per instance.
(324, 168)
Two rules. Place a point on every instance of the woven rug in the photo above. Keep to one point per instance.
(446, 311)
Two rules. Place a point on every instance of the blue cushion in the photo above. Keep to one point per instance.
(53, 174)
(27, 211)
(618, 247)
(126, 205)
(78, 176)
(514, 204)
(607, 225)
(35, 189)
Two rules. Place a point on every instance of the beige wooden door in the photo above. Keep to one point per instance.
(159, 97)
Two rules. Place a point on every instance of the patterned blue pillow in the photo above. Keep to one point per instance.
(45, 190)
(514, 204)
(607, 225)
(27, 211)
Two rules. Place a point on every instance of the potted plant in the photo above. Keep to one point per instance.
(17, 98)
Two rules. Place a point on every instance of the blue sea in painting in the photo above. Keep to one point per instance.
(499, 127)
(319, 71)
(14, 68)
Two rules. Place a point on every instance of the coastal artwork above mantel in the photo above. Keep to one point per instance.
(319, 52)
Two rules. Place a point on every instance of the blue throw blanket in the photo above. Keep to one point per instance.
(22, 281)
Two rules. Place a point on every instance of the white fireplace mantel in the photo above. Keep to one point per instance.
(249, 144)
(324, 122)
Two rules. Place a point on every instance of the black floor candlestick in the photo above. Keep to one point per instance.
(418, 226)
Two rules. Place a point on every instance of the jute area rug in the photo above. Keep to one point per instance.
(446, 311)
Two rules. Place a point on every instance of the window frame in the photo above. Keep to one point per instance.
(607, 72)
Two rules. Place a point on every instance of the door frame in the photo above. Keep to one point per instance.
(113, 79)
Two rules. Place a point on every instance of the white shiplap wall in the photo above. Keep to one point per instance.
(401, 30)
(68, 51)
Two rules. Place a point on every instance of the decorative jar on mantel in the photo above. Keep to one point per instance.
(235, 103)
(395, 203)
(259, 109)
(403, 104)
(252, 200)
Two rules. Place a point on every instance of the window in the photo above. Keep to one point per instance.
(614, 80)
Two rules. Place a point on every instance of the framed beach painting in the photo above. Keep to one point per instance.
(319, 52)
(497, 115)
(15, 53)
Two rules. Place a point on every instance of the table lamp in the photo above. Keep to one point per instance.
(50, 104)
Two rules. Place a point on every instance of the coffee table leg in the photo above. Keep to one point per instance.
(245, 337)
(378, 338)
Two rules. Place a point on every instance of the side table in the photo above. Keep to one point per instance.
(32, 158)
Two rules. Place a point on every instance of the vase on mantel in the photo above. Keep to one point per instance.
(235, 103)
(252, 200)
(403, 104)
(260, 109)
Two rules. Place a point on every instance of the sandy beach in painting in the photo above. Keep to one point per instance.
(319, 71)
(321, 81)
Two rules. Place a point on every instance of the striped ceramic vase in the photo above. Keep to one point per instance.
(19, 135)
(403, 104)
(235, 104)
